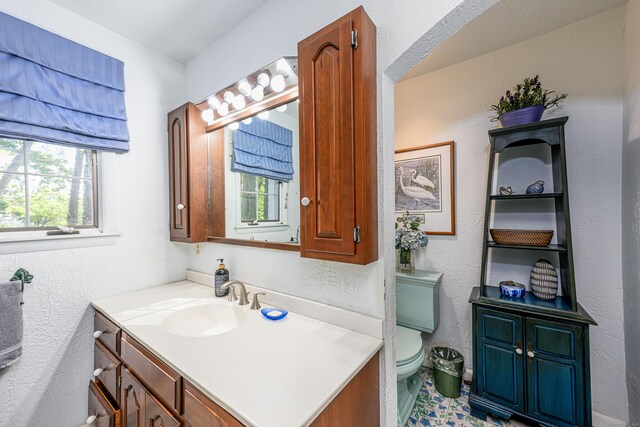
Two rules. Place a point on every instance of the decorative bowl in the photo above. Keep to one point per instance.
(512, 289)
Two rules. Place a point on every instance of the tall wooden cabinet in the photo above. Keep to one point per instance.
(188, 193)
(530, 355)
(338, 143)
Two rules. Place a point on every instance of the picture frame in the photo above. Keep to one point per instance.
(425, 186)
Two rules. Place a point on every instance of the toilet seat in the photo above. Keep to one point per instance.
(409, 345)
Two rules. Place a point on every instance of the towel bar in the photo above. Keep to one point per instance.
(25, 277)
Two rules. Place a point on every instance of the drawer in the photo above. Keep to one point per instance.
(200, 411)
(103, 411)
(107, 366)
(154, 373)
(107, 332)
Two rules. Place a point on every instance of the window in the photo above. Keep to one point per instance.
(43, 186)
(259, 199)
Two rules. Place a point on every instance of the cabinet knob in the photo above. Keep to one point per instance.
(180, 206)
(91, 419)
(97, 372)
(530, 354)
(97, 334)
(519, 351)
(305, 201)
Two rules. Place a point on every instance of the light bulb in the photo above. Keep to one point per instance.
(258, 93)
(207, 115)
(277, 83)
(238, 102)
(247, 121)
(282, 108)
(263, 79)
(214, 103)
(264, 115)
(244, 88)
(234, 126)
(283, 67)
(223, 109)
(228, 97)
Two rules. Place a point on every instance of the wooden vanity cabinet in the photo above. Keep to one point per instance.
(152, 394)
(338, 143)
(188, 196)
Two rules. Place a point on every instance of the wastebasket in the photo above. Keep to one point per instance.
(448, 366)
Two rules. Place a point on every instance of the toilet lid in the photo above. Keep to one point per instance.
(409, 344)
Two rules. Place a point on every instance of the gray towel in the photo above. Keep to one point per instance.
(10, 323)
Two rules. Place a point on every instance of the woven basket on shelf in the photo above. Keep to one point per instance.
(521, 237)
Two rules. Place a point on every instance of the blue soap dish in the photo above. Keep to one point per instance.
(512, 289)
(274, 313)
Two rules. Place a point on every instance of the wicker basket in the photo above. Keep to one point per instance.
(521, 237)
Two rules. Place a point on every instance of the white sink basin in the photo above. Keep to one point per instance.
(205, 320)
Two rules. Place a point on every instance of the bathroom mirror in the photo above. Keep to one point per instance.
(261, 176)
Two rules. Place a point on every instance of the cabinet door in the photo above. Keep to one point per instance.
(188, 182)
(500, 357)
(102, 411)
(555, 379)
(338, 143)
(157, 415)
(178, 164)
(133, 401)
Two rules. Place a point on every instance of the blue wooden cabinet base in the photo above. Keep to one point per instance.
(531, 364)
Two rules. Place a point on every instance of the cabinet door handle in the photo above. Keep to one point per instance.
(98, 334)
(91, 419)
(180, 206)
(530, 354)
(97, 372)
(305, 201)
(519, 351)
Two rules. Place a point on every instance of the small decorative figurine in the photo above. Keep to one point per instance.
(536, 188)
(544, 280)
(506, 191)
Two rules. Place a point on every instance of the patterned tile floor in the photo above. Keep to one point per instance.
(434, 410)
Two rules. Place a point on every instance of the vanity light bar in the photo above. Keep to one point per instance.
(278, 79)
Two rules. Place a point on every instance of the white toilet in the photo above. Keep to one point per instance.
(417, 310)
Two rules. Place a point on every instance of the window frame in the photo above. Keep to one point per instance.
(96, 172)
(282, 206)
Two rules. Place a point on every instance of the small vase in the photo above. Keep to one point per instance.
(406, 260)
(521, 116)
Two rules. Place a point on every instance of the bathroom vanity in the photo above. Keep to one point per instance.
(175, 355)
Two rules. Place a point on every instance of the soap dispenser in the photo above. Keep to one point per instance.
(222, 277)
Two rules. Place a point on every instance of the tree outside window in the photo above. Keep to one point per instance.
(44, 185)
(259, 199)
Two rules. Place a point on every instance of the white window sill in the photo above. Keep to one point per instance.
(37, 241)
(261, 225)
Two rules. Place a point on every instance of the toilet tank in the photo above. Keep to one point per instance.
(418, 299)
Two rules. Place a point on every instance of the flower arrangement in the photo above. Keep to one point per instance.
(529, 93)
(409, 238)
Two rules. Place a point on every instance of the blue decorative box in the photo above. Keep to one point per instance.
(512, 289)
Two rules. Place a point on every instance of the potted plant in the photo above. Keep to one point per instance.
(526, 103)
(409, 238)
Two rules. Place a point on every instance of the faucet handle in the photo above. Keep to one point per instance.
(255, 304)
(232, 294)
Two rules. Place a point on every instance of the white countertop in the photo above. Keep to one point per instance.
(265, 373)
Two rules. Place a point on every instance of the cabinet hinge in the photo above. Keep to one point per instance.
(354, 39)
(356, 234)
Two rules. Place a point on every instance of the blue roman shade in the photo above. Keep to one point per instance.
(263, 148)
(58, 91)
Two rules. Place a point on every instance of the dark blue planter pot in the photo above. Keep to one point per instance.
(521, 116)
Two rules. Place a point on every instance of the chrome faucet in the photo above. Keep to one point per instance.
(243, 300)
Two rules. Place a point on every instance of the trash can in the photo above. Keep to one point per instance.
(448, 366)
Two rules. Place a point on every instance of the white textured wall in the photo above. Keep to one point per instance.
(48, 386)
(631, 208)
(585, 60)
(407, 30)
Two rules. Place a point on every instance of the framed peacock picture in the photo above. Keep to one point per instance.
(425, 186)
